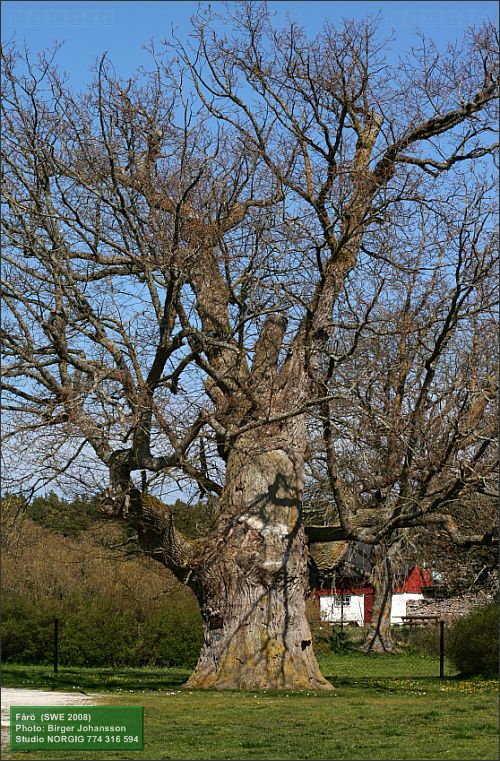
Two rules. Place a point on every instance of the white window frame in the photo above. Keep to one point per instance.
(342, 601)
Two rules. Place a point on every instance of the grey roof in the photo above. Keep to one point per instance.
(334, 560)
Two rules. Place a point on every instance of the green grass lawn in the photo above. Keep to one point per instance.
(383, 707)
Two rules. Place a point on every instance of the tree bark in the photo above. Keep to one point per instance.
(250, 574)
(251, 579)
(378, 639)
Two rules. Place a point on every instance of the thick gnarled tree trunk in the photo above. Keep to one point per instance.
(251, 581)
(250, 575)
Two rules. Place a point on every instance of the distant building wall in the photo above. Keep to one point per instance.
(333, 611)
(359, 607)
(399, 606)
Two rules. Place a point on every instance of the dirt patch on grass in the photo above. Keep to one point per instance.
(21, 697)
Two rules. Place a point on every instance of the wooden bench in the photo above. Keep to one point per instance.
(416, 620)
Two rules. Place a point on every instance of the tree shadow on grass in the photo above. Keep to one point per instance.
(390, 684)
(92, 680)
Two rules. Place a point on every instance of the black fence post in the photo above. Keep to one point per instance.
(441, 649)
(56, 643)
(342, 612)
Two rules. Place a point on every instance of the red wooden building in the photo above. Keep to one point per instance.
(343, 590)
(352, 602)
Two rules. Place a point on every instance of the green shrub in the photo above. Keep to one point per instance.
(100, 634)
(328, 638)
(97, 635)
(173, 636)
(422, 640)
(472, 642)
(321, 635)
(27, 632)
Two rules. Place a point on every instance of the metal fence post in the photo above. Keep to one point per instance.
(56, 643)
(441, 649)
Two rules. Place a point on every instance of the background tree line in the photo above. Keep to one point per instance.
(60, 559)
(115, 607)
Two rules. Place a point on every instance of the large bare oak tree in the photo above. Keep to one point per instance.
(175, 246)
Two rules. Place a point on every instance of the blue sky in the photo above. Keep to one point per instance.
(123, 27)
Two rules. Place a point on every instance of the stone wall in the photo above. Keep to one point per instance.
(450, 608)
